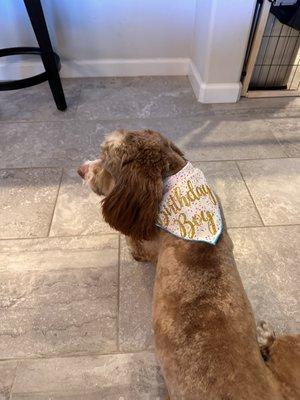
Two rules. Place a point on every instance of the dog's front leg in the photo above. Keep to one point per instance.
(143, 250)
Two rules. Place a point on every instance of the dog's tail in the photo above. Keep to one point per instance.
(282, 356)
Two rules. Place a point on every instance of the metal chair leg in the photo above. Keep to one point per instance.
(39, 26)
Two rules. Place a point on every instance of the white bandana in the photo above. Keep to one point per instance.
(189, 208)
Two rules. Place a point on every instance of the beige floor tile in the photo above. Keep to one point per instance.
(275, 188)
(7, 376)
(135, 319)
(109, 377)
(266, 107)
(27, 200)
(49, 144)
(287, 132)
(58, 253)
(60, 300)
(226, 180)
(202, 138)
(209, 138)
(78, 209)
(36, 103)
(268, 261)
(138, 97)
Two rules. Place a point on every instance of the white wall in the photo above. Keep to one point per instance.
(200, 45)
(206, 39)
(88, 33)
(219, 45)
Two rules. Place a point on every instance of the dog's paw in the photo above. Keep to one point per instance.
(265, 334)
(265, 337)
(139, 257)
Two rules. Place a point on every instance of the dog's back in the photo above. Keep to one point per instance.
(205, 332)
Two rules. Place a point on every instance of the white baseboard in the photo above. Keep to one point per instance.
(205, 92)
(94, 68)
(195, 79)
(125, 67)
(213, 92)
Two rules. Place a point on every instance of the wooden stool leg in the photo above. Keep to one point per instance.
(39, 26)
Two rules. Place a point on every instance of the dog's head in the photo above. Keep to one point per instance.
(130, 175)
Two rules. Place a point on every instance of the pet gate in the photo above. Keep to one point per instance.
(272, 62)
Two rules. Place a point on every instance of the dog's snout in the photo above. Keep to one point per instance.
(82, 170)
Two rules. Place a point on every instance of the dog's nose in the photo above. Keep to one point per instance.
(82, 170)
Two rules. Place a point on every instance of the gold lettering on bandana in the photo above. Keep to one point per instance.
(177, 200)
(188, 227)
(190, 208)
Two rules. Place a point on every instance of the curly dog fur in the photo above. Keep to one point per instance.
(205, 334)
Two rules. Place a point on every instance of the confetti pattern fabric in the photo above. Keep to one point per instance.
(189, 208)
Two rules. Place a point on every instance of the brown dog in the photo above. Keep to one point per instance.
(205, 333)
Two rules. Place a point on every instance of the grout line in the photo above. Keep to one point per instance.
(245, 227)
(13, 382)
(71, 166)
(34, 167)
(116, 233)
(118, 249)
(59, 237)
(245, 113)
(282, 146)
(207, 114)
(242, 159)
(78, 100)
(71, 251)
(82, 354)
(118, 296)
(50, 270)
(255, 206)
(262, 226)
(210, 112)
(55, 203)
(279, 225)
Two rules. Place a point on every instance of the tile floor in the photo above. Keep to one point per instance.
(75, 310)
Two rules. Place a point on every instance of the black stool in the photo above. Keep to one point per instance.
(50, 59)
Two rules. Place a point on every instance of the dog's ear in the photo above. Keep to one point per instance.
(176, 149)
(132, 206)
